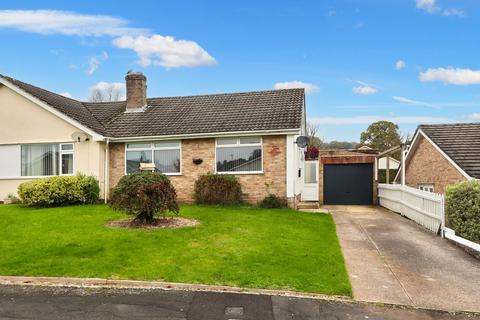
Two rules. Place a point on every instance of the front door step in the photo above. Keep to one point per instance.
(308, 205)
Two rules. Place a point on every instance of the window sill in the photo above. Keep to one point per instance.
(242, 173)
(34, 177)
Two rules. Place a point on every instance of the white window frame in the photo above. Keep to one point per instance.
(429, 187)
(61, 153)
(152, 149)
(21, 177)
(237, 144)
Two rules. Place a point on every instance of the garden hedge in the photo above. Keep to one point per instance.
(462, 203)
(217, 189)
(59, 191)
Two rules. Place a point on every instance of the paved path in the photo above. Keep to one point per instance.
(50, 303)
(393, 260)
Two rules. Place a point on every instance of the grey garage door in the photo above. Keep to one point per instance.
(348, 183)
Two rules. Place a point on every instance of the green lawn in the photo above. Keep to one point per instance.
(238, 246)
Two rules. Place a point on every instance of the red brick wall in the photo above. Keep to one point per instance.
(253, 185)
(428, 166)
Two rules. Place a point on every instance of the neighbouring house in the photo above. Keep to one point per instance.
(442, 155)
(250, 135)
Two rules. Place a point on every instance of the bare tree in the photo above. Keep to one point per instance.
(312, 132)
(105, 93)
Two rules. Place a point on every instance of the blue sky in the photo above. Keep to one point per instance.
(407, 61)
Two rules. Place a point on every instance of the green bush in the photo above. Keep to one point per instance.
(217, 189)
(273, 202)
(145, 195)
(463, 209)
(59, 191)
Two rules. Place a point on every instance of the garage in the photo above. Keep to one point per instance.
(347, 177)
(348, 183)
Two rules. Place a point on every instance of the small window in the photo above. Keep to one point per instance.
(226, 141)
(168, 144)
(139, 145)
(250, 140)
(67, 147)
(426, 187)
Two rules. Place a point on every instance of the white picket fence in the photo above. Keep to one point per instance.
(423, 207)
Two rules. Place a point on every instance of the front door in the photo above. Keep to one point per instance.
(310, 181)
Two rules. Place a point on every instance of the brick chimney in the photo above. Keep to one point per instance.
(136, 91)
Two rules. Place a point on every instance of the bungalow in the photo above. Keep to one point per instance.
(442, 155)
(250, 135)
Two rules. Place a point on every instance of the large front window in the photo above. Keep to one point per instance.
(46, 159)
(239, 155)
(165, 155)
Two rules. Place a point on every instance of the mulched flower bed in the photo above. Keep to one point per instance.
(169, 223)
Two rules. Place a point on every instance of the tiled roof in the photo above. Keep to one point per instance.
(460, 141)
(215, 113)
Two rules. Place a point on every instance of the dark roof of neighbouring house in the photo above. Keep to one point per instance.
(213, 113)
(460, 141)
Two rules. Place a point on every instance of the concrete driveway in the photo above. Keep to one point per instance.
(391, 259)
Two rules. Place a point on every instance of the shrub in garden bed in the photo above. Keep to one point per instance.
(59, 191)
(217, 189)
(273, 202)
(463, 209)
(145, 195)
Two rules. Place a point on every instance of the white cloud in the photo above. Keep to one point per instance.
(66, 94)
(66, 23)
(374, 118)
(94, 62)
(414, 102)
(364, 90)
(110, 87)
(309, 87)
(454, 12)
(165, 51)
(400, 64)
(474, 116)
(454, 76)
(92, 65)
(431, 7)
(434, 105)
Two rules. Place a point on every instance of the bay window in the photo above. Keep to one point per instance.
(164, 154)
(239, 155)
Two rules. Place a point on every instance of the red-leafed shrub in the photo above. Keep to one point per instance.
(145, 195)
(311, 153)
(217, 189)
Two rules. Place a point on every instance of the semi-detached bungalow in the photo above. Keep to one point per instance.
(251, 135)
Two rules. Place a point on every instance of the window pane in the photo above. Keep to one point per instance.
(40, 160)
(250, 140)
(134, 158)
(167, 161)
(139, 145)
(67, 163)
(236, 159)
(310, 172)
(168, 144)
(67, 147)
(224, 141)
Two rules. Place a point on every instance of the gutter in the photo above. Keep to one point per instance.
(206, 135)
